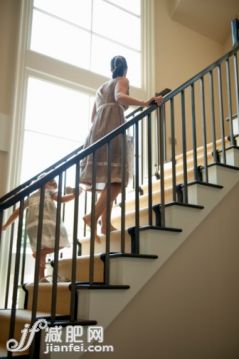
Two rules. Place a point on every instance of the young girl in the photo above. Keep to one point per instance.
(48, 225)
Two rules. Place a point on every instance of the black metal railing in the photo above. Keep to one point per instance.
(193, 116)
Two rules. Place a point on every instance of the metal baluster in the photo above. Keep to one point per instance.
(236, 86)
(150, 196)
(16, 273)
(142, 151)
(85, 210)
(165, 134)
(73, 314)
(173, 148)
(56, 250)
(160, 115)
(108, 212)
(124, 163)
(137, 221)
(9, 267)
(157, 130)
(229, 101)
(184, 148)
(212, 115)
(24, 252)
(221, 113)
(38, 250)
(204, 130)
(93, 221)
(194, 133)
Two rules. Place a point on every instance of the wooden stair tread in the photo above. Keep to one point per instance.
(23, 315)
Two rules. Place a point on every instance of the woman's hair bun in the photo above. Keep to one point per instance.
(118, 66)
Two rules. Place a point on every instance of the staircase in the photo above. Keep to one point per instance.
(155, 218)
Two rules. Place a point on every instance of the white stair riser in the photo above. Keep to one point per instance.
(182, 217)
(115, 244)
(131, 270)
(130, 219)
(235, 126)
(222, 175)
(232, 157)
(198, 194)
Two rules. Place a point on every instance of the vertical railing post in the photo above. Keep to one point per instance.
(16, 273)
(194, 133)
(38, 251)
(137, 222)
(184, 148)
(108, 212)
(173, 154)
(93, 220)
(236, 86)
(212, 116)
(73, 304)
(229, 101)
(9, 266)
(221, 113)
(149, 150)
(124, 163)
(56, 250)
(160, 114)
(24, 253)
(204, 128)
(142, 152)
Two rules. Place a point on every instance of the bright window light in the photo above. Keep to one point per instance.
(83, 32)
(57, 122)
(127, 35)
(60, 40)
(75, 11)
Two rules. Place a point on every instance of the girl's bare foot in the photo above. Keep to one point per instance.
(87, 220)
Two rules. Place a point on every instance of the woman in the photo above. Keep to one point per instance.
(112, 99)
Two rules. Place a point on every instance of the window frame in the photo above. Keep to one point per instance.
(33, 64)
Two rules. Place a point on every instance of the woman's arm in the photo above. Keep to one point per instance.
(122, 97)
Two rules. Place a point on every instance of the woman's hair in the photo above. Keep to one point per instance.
(118, 66)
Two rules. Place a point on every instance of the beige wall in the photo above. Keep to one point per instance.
(190, 308)
(9, 17)
(180, 54)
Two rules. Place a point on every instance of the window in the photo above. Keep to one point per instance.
(64, 54)
(56, 124)
(86, 33)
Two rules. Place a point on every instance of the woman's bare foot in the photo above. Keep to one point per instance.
(103, 229)
(87, 220)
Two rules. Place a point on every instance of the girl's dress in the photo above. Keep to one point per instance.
(109, 115)
(49, 222)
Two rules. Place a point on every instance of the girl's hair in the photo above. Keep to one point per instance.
(118, 66)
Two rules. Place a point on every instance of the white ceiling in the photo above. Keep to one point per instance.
(211, 18)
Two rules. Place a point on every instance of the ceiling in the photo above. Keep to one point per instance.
(211, 18)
